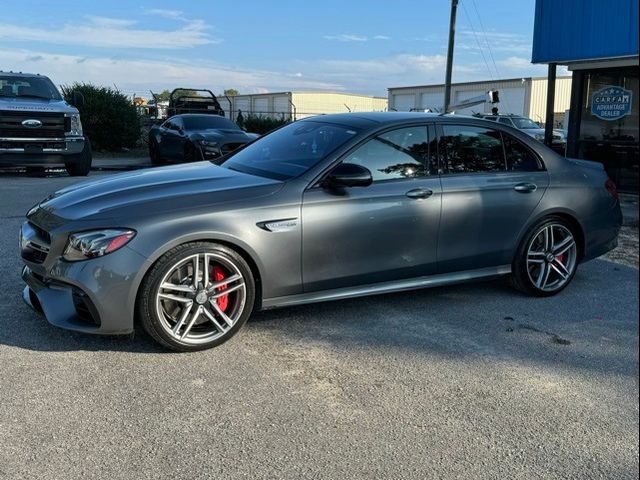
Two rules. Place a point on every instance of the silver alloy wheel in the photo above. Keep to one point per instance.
(193, 306)
(551, 257)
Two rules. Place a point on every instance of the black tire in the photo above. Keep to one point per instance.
(154, 154)
(82, 166)
(525, 272)
(149, 305)
(192, 153)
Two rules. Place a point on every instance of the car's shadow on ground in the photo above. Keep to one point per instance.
(590, 325)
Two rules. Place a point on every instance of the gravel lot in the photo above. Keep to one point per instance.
(471, 381)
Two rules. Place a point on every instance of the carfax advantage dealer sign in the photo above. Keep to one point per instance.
(611, 103)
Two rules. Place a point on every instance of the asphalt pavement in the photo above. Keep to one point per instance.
(469, 381)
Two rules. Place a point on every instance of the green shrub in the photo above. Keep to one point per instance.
(261, 125)
(108, 117)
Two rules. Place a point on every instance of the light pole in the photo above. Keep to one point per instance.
(452, 34)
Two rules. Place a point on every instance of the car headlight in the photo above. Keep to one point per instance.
(76, 125)
(96, 243)
(539, 137)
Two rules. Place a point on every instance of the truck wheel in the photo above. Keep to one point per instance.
(82, 166)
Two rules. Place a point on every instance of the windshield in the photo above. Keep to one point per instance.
(291, 150)
(204, 122)
(524, 123)
(29, 87)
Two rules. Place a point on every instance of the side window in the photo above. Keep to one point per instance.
(519, 157)
(471, 149)
(506, 121)
(401, 153)
(490, 118)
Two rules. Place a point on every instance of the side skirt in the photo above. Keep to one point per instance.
(386, 287)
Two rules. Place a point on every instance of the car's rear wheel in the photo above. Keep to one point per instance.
(154, 153)
(196, 296)
(547, 259)
(82, 165)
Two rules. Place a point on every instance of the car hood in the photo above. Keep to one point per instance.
(533, 131)
(35, 105)
(153, 191)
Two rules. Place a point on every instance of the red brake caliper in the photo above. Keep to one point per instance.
(561, 258)
(223, 301)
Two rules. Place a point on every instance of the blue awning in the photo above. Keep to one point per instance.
(568, 31)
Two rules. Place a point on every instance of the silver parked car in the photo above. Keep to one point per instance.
(528, 126)
(321, 209)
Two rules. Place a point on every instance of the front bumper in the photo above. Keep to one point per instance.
(40, 151)
(93, 296)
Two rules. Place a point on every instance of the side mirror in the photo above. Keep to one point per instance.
(77, 99)
(349, 175)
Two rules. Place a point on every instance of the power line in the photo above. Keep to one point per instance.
(473, 30)
(486, 38)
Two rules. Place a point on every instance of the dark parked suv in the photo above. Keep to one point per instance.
(38, 127)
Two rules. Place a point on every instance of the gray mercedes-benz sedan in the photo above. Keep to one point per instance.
(324, 208)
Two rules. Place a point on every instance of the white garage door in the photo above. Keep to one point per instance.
(461, 95)
(511, 100)
(281, 106)
(240, 104)
(261, 106)
(432, 100)
(404, 102)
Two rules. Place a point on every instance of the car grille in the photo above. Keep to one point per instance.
(35, 243)
(54, 124)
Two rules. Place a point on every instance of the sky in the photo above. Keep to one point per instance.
(266, 46)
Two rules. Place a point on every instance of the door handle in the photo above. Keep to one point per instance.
(419, 193)
(525, 187)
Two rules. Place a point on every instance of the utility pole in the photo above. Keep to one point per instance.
(452, 34)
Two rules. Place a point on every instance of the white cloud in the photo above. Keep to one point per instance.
(346, 37)
(381, 37)
(142, 75)
(116, 33)
(495, 41)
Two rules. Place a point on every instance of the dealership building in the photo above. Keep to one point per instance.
(598, 41)
(518, 96)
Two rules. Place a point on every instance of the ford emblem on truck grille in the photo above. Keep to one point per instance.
(32, 123)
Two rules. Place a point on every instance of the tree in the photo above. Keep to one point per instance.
(231, 92)
(109, 118)
(164, 95)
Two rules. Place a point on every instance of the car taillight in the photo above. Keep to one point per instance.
(611, 187)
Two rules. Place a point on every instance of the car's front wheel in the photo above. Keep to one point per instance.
(547, 258)
(197, 296)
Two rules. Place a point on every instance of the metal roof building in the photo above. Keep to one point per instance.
(297, 105)
(520, 96)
